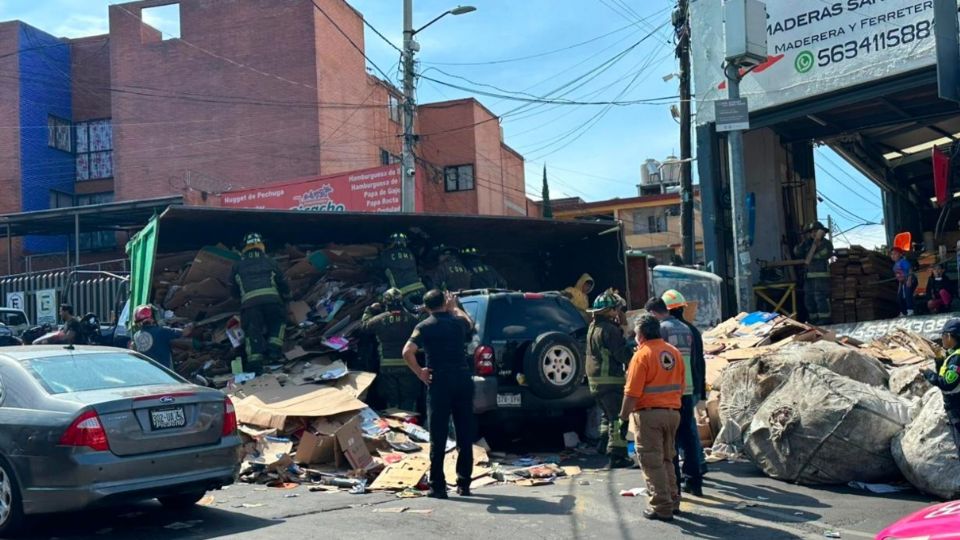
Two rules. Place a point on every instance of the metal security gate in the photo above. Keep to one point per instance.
(88, 291)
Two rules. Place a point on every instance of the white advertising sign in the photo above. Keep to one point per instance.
(814, 47)
(15, 300)
(46, 306)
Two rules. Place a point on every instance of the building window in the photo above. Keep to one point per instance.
(91, 241)
(394, 105)
(100, 240)
(646, 223)
(458, 178)
(94, 150)
(386, 158)
(58, 134)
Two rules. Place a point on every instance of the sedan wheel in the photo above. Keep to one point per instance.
(6, 497)
(11, 514)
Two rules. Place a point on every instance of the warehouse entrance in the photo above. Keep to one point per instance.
(880, 112)
(889, 132)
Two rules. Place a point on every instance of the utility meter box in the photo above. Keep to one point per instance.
(745, 32)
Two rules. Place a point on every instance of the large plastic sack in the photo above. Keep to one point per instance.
(823, 428)
(926, 453)
(747, 383)
(907, 382)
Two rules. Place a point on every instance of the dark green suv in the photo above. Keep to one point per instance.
(528, 352)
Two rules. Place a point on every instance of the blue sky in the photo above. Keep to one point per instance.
(593, 152)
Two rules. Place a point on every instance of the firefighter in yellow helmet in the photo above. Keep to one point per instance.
(607, 358)
(262, 290)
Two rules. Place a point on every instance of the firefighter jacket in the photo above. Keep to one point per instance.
(819, 266)
(392, 329)
(483, 276)
(257, 280)
(400, 268)
(607, 353)
(452, 275)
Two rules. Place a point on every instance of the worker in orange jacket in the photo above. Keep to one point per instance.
(652, 397)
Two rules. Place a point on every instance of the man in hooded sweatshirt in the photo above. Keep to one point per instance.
(579, 294)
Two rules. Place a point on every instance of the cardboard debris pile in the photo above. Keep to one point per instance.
(322, 434)
(330, 287)
(765, 373)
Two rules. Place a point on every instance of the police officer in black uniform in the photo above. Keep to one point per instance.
(261, 288)
(482, 275)
(396, 386)
(444, 337)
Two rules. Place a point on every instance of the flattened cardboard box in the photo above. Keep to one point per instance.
(350, 442)
(272, 407)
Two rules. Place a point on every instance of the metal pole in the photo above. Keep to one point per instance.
(408, 172)
(9, 251)
(76, 239)
(738, 202)
(688, 241)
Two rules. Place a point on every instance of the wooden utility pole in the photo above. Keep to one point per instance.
(682, 27)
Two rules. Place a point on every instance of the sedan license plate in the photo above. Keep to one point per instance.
(167, 418)
(508, 400)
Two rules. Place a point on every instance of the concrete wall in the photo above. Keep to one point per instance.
(765, 160)
(45, 89)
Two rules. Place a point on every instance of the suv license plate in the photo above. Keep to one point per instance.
(167, 418)
(508, 400)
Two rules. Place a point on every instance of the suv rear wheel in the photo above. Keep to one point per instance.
(553, 366)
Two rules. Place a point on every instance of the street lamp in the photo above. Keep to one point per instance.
(410, 47)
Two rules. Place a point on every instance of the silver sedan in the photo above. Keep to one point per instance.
(85, 426)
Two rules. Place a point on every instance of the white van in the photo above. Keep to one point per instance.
(15, 319)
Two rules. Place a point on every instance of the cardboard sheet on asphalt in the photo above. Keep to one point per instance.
(403, 475)
(480, 469)
(271, 407)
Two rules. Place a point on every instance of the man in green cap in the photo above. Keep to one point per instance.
(607, 358)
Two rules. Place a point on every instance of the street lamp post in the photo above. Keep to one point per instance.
(410, 48)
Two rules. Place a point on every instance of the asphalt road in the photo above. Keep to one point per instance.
(739, 503)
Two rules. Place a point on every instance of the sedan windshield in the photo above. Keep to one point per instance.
(79, 373)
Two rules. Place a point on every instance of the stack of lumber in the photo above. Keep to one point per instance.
(862, 286)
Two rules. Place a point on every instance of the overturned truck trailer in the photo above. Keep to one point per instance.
(532, 254)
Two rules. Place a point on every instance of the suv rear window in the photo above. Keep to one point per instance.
(79, 373)
(513, 317)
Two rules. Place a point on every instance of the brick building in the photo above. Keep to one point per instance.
(250, 93)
